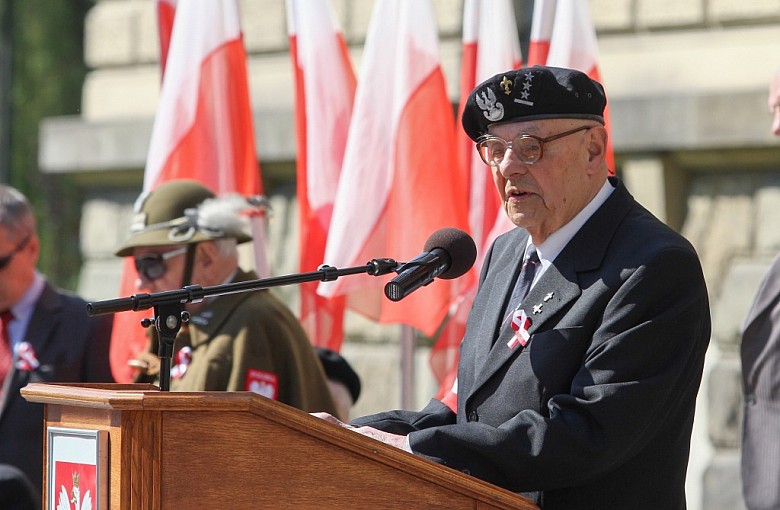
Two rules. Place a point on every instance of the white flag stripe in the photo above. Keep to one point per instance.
(573, 41)
(179, 93)
(369, 162)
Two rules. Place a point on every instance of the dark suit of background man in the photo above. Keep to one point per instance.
(761, 376)
(588, 401)
(52, 339)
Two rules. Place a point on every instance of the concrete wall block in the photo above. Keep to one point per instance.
(127, 93)
(725, 402)
(263, 24)
(611, 14)
(722, 486)
(738, 289)
(728, 230)
(669, 13)
(449, 16)
(271, 82)
(101, 227)
(767, 235)
(378, 366)
(724, 11)
(112, 30)
(147, 33)
(99, 279)
(358, 18)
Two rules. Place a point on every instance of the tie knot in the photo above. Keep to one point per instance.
(531, 255)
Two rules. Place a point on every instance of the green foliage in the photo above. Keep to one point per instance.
(47, 75)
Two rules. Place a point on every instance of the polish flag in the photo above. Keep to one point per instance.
(563, 35)
(541, 32)
(324, 95)
(400, 181)
(166, 10)
(490, 45)
(202, 130)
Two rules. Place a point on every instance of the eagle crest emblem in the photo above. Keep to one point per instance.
(491, 108)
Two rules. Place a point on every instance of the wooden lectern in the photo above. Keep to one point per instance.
(170, 450)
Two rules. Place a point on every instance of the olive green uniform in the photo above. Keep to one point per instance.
(250, 341)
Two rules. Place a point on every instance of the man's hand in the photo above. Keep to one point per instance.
(386, 437)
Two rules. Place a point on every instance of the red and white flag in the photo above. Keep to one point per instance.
(400, 181)
(202, 130)
(563, 35)
(324, 95)
(541, 32)
(166, 11)
(490, 45)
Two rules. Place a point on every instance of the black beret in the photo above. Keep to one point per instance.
(338, 369)
(538, 92)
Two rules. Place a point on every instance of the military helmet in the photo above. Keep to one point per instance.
(172, 214)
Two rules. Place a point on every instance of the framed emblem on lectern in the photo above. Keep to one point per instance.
(77, 469)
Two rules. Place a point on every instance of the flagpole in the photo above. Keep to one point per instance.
(408, 347)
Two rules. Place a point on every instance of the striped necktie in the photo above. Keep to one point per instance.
(524, 281)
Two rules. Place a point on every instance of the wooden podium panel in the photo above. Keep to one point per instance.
(171, 450)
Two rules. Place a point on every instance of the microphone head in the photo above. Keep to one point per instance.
(460, 247)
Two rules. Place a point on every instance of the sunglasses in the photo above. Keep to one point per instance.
(152, 265)
(5, 260)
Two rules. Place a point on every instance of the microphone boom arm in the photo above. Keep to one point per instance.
(169, 313)
(196, 293)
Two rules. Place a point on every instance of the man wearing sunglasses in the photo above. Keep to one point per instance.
(580, 392)
(182, 234)
(46, 336)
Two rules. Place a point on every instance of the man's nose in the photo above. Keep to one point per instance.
(511, 165)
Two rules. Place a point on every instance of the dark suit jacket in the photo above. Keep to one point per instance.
(596, 411)
(71, 347)
(761, 383)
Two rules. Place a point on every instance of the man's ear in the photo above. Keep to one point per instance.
(207, 253)
(597, 143)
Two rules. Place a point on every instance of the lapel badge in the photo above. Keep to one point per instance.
(520, 325)
(506, 84)
(182, 360)
(537, 308)
(26, 360)
(549, 296)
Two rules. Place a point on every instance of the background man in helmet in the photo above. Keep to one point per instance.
(182, 234)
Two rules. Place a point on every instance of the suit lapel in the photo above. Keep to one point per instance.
(44, 320)
(501, 285)
(556, 288)
(559, 289)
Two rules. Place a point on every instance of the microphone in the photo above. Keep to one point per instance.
(448, 254)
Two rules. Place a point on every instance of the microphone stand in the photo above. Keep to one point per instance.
(169, 313)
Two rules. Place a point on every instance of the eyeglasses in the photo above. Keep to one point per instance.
(152, 265)
(528, 148)
(5, 260)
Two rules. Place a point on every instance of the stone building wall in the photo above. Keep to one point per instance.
(687, 82)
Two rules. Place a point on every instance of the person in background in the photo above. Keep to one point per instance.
(343, 381)
(46, 336)
(760, 356)
(584, 348)
(183, 234)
